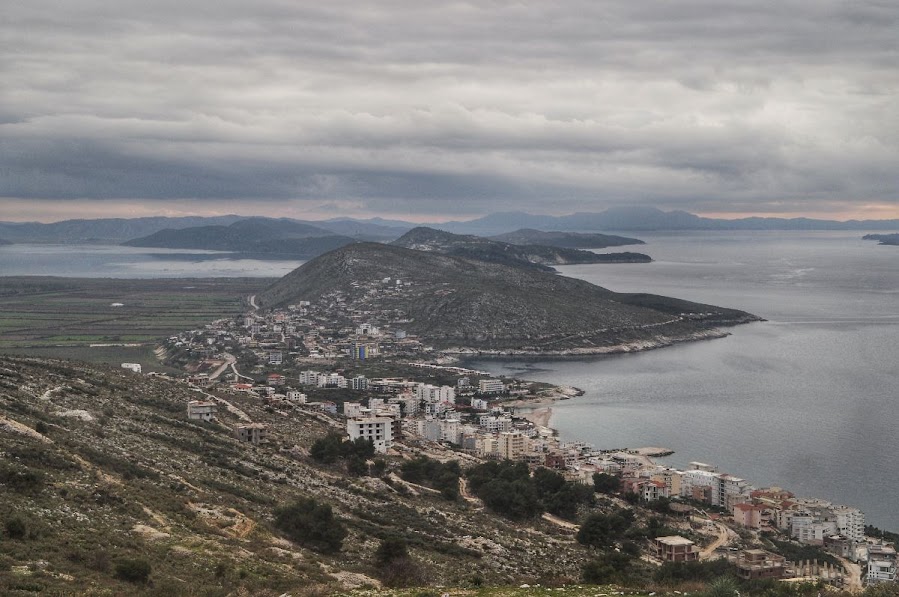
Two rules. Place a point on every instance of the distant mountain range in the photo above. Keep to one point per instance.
(466, 304)
(378, 229)
(485, 249)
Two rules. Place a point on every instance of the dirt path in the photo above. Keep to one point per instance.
(853, 578)
(560, 522)
(722, 538)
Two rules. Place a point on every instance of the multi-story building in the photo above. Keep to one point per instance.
(198, 410)
(253, 433)
(359, 383)
(377, 429)
(675, 548)
(511, 445)
(881, 564)
(758, 564)
(491, 386)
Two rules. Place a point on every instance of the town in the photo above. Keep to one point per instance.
(368, 377)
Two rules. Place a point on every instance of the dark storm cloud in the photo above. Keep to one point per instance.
(744, 106)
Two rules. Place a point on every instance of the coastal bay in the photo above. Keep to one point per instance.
(805, 400)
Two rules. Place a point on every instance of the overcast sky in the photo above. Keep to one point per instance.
(439, 110)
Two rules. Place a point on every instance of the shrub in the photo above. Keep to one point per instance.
(134, 570)
(608, 568)
(312, 525)
(605, 483)
(16, 528)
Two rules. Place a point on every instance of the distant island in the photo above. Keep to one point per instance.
(565, 240)
(885, 239)
(118, 230)
(462, 305)
(4, 242)
(253, 237)
(485, 249)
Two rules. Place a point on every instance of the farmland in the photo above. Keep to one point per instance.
(64, 317)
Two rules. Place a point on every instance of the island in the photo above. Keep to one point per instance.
(885, 239)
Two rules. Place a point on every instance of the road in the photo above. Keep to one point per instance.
(723, 537)
(252, 302)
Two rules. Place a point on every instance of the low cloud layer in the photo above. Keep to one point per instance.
(443, 108)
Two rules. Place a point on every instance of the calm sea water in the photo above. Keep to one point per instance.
(808, 400)
(112, 261)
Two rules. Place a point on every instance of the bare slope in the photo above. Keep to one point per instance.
(467, 304)
(100, 465)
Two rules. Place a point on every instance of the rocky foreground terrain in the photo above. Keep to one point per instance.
(467, 305)
(100, 467)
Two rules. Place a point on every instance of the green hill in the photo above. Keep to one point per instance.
(466, 304)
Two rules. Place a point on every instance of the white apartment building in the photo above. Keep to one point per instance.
(359, 383)
(491, 386)
(850, 522)
(296, 396)
(332, 380)
(494, 424)
(309, 378)
(881, 564)
(378, 429)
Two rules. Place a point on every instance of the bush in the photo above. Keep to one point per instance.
(395, 566)
(508, 489)
(609, 568)
(133, 570)
(16, 528)
(312, 525)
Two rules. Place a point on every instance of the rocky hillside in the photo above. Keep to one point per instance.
(100, 471)
(485, 249)
(465, 304)
(568, 240)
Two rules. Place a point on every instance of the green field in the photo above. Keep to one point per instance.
(62, 317)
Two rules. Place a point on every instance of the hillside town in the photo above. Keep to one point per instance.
(320, 359)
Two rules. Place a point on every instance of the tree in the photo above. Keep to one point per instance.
(327, 449)
(395, 566)
(605, 483)
(312, 525)
(603, 530)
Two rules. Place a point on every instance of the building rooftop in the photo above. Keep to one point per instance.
(674, 540)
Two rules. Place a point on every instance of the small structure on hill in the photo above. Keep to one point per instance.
(200, 410)
(253, 433)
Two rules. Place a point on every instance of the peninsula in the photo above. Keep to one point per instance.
(460, 305)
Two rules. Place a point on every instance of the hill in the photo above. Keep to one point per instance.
(567, 240)
(3, 241)
(100, 467)
(106, 230)
(256, 236)
(462, 304)
(485, 249)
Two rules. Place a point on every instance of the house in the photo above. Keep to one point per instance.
(253, 433)
(675, 548)
(132, 367)
(757, 564)
(881, 564)
(198, 410)
(275, 379)
(748, 515)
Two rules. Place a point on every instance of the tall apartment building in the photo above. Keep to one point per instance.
(378, 429)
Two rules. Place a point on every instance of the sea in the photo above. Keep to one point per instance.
(807, 400)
